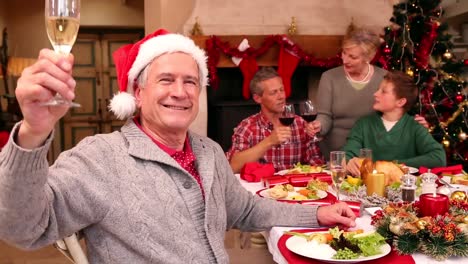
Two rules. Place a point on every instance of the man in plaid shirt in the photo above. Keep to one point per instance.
(262, 138)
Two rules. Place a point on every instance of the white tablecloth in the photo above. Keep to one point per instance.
(364, 222)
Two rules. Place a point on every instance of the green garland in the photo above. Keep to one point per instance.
(440, 237)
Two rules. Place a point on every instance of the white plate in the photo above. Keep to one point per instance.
(321, 194)
(324, 252)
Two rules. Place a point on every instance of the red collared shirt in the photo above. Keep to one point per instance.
(185, 157)
(300, 147)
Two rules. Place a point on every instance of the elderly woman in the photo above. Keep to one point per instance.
(346, 93)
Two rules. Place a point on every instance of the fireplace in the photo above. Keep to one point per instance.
(227, 107)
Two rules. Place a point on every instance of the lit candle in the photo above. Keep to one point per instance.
(375, 183)
(432, 204)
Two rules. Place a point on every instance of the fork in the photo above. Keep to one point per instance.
(448, 184)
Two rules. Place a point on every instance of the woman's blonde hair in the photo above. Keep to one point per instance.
(368, 40)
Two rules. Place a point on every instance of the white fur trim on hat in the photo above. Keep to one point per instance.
(124, 104)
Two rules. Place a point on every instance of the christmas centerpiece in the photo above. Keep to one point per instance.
(439, 236)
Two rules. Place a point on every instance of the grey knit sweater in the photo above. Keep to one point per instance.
(339, 106)
(134, 202)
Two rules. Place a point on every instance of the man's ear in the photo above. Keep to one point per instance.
(257, 98)
(138, 96)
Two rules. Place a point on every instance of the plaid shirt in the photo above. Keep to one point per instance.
(299, 148)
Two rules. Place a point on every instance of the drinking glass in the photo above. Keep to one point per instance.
(287, 116)
(308, 112)
(338, 169)
(62, 18)
(365, 153)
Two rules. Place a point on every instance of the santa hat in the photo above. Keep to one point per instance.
(131, 59)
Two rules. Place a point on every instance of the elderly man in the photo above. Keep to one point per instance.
(262, 137)
(151, 193)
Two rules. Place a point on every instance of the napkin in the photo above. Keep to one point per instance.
(455, 169)
(254, 171)
(293, 258)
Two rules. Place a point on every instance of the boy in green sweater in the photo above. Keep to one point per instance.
(390, 132)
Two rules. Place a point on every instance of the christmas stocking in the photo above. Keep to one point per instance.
(287, 63)
(248, 67)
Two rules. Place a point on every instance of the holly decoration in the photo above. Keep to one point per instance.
(440, 237)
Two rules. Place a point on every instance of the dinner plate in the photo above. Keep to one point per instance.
(264, 193)
(284, 172)
(324, 252)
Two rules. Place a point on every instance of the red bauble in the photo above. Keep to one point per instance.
(459, 98)
(466, 62)
(386, 50)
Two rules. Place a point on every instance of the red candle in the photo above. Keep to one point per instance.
(432, 204)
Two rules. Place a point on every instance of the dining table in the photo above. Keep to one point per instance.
(275, 237)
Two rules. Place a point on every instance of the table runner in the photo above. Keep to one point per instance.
(293, 258)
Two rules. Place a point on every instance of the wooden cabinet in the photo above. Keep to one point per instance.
(95, 75)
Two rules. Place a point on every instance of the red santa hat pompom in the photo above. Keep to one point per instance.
(131, 59)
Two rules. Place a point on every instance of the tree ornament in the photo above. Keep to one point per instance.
(447, 55)
(458, 196)
(446, 143)
(387, 50)
(410, 72)
(421, 224)
(465, 62)
(462, 136)
(459, 98)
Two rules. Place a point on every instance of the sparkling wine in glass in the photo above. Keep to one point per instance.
(62, 18)
(287, 116)
(338, 170)
(308, 112)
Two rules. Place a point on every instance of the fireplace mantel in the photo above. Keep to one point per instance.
(320, 46)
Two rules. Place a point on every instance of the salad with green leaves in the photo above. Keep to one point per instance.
(351, 245)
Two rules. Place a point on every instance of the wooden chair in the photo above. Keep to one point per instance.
(70, 247)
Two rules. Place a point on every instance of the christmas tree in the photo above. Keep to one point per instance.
(417, 42)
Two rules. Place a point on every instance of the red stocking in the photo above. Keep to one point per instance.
(248, 67)
(287, 64)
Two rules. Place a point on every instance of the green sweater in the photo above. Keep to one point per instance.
(407, 142)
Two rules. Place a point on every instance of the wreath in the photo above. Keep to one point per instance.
(440, 237)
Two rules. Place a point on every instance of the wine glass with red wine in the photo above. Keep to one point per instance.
(308, 112)
(287, 116)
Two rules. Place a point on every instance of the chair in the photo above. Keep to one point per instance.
(71, 248)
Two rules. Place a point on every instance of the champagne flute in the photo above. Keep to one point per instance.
(308, 112)
(338, 169)
(62, 18)
(287, 116)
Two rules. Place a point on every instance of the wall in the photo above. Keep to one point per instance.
(245, 17)
(25, 21)
(2, 14)
(171, 15)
